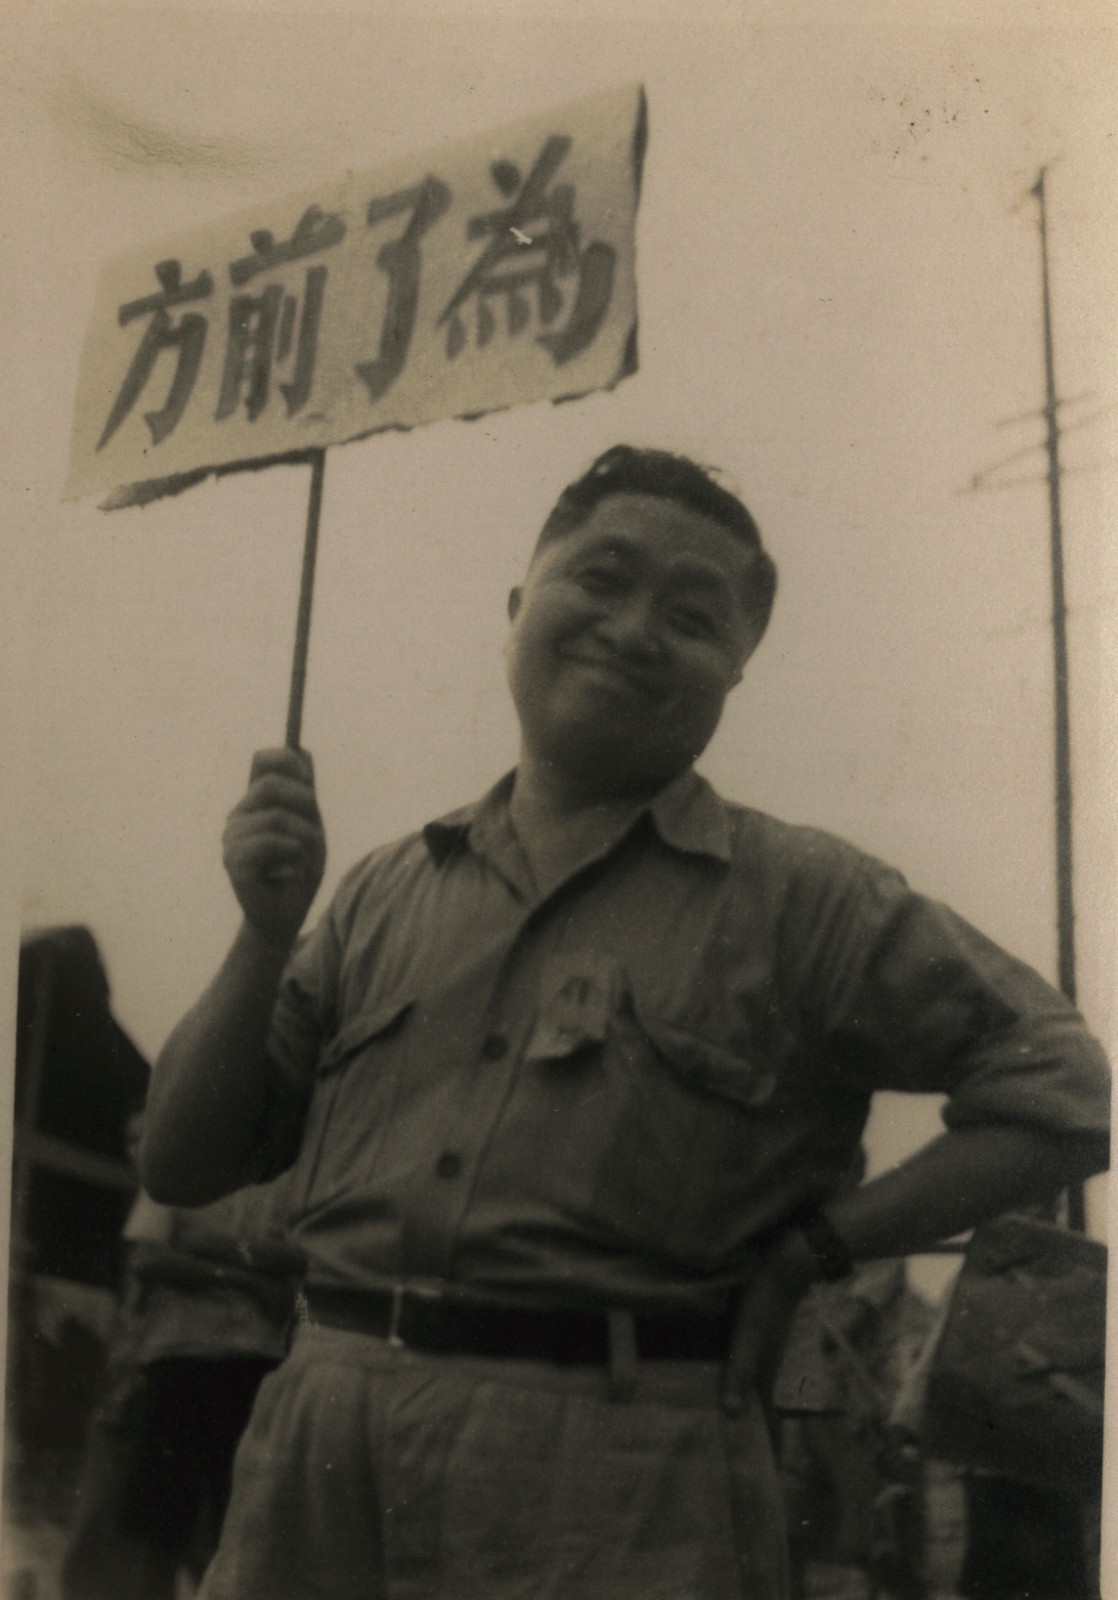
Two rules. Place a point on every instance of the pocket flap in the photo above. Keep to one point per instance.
(710, 1065)
(578, 994)
(378, 1022)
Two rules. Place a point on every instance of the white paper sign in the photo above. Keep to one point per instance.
(499, 271)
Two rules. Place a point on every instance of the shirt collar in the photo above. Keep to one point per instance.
(691, 817)
(687, 814)
(450, 832)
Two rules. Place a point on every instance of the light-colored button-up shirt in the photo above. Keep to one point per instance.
(611, 1092)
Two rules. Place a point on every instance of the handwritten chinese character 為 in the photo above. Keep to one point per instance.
(534, 243)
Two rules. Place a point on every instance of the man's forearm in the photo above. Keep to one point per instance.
(210, 1082)
(953, 1184)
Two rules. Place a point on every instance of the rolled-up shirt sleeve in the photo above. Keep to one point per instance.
(916, 999)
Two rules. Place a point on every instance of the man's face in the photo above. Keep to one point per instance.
(627, 635)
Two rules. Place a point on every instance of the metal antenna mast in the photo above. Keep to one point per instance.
(1065, 906)
(988, 479)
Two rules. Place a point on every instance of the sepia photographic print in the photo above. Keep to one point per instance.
(558, 878)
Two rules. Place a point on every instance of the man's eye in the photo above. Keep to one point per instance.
(600, 580)
(693, 623)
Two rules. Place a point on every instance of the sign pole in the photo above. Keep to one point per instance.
(317, 459)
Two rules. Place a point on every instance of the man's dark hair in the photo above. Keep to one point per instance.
(625, 469)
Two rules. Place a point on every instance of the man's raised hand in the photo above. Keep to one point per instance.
(274, 845)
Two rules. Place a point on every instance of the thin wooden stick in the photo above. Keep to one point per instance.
(317, 460)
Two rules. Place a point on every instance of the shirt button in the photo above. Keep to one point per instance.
(449, 1164)
(494, 1046)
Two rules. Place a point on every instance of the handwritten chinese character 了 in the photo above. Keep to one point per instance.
(533, 243)
(186, 338)
(400, 259)
(261, 331)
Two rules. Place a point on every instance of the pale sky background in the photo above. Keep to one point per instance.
(839, 303)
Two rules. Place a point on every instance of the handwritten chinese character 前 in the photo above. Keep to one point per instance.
(261, 329)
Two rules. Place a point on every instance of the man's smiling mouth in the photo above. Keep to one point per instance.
(615, 674)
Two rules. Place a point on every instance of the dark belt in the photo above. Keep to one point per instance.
(445, 1325)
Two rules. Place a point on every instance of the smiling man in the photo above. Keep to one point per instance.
(568, 1084)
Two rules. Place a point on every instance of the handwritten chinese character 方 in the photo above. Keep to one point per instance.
(186, 338)
(534, 242)
(261, 331)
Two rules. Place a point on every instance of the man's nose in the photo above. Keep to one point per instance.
(631, 627)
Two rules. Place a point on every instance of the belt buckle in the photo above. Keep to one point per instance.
(400, 1294)
(394, 1313)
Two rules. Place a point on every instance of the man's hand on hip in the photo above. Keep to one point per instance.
(764, 1316)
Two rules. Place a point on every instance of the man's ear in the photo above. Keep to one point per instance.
(743, 662)
(752, 641)
(515, 597)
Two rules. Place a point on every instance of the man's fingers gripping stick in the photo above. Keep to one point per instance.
(282, 780)
(274, 848)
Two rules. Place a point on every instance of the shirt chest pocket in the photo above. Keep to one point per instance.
(708, 1068)
(586, 1003)
(665, 1127)
(356, 1083)
(689, 1105)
